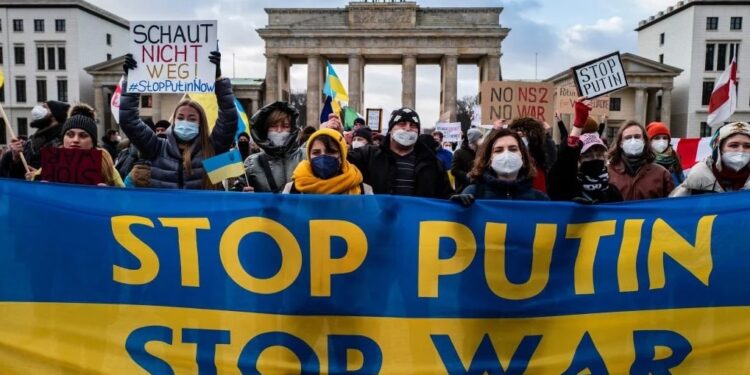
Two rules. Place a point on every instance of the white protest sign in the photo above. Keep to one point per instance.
(601, 76)
(451, 131)
(172, 56)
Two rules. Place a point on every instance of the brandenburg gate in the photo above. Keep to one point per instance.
(380, 33)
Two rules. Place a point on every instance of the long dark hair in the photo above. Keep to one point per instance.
(483, 159)
(534, 131)
(615, 150)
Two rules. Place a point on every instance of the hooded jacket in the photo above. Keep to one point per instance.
(279, 160)
(378, 167)
(167, 169)
(701, 180)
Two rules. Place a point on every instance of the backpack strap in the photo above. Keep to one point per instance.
(263, 161)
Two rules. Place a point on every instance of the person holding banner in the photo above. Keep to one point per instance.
(503, 170)
(80, 132)
(632, 169)
(727, 169)
(47, 118)
(276, 132)
(402, 165)
(326, 170)
(661, 140)
(580, 172)
(177, 160)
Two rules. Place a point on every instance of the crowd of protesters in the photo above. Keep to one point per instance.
(516, 160)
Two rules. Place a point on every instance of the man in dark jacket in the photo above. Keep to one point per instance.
(110, 141)
(463, 158)
(47, 118)
(401, 165)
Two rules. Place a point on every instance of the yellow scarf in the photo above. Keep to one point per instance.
(348, 182)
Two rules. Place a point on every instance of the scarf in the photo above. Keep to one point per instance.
(594, 183)
(731, 180)
(633, 163)
(669, 160)
(348, 182)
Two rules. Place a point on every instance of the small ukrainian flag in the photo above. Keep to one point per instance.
(223, 166)
(243, 124)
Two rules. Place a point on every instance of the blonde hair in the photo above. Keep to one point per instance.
(108, 168)
(276, 116)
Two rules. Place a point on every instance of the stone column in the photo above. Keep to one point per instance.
(99, 106)
(156, 108)
(651, 106)
(640, 106)
(449, 84)
(355, 82)
(493, 68)
(313, 90)
(272, 78)
(666, 106)
(409, 81)
(254, 105)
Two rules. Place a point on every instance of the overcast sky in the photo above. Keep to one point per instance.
(562, 33)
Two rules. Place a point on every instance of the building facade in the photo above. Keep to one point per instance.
(646, 99)
(44, 47)
(700, 37)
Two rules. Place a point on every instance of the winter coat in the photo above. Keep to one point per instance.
(463, 162)
(562, 179)
(278, 161)
(32, 151)
(126, 160)
(110, 146)
(651, 181)
(167, 170)
(489, 187)
(701, 180)
(378, 167)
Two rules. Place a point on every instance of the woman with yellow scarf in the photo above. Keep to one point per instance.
(326, 170)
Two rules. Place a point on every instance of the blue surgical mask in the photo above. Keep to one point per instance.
(325, 166)
(185, 131)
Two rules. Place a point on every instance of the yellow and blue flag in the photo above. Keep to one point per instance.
(333, 87)
(223, 166)
(243, 124)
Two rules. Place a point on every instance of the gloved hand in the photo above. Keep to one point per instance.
(215, 58)
(465, 199)
(141, 174)
(129, 64)
(582, 108)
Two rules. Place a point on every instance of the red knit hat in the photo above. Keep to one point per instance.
(657, 128)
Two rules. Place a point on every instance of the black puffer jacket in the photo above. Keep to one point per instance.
(378, 167)
(164, 154)
(32, 150)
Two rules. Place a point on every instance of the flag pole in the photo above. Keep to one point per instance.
(13, 136)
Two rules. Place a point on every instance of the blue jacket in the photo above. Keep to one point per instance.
(167, 169)
(489, 187)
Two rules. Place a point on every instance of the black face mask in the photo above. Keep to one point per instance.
(593, 176)
(41, 123)
(244, 147)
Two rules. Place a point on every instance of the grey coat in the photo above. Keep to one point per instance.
(167, 169)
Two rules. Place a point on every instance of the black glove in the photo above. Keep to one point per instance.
(215, 58)
(129, 64)
(465, 199)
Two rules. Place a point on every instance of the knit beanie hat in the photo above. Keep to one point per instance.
(404, 114)
(657, 128)
(365, 133)
(59, 110)
(473, 135)
(359, 120)
(81, 116)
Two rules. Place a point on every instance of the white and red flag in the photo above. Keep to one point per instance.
(723, 101)
(114, 105)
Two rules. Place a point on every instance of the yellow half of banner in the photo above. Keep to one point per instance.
(53, 338)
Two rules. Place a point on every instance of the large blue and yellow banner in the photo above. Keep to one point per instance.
(101, 280)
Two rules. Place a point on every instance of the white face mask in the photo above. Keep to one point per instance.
(278, 139)
(358, 144)
(660, 145)
(632, 146)
(506, 163)
(39, 112)
(735, 160)
(405, 138)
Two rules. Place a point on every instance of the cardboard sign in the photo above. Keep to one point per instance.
(451, 131)
(510, 99)
(565, 97)
(601, 76)
(72, 166)
(172, 56)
